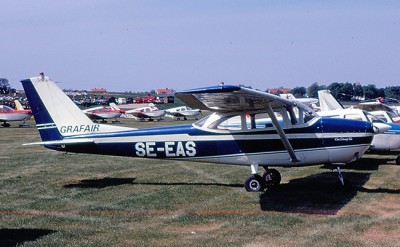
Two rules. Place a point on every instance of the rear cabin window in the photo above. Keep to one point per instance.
(353, 116)
(255, 120)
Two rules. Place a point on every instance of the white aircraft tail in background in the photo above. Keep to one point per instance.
(18, 105)
(327, 102)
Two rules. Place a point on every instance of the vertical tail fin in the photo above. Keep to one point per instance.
(56, 115)
(327, 102)
(18, 105)
(114, 106)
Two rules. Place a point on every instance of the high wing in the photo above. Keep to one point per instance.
(227, 98)
(236, 99)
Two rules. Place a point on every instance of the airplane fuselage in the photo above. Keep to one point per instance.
(313, 144)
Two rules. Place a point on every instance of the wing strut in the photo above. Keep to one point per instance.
(282, 134)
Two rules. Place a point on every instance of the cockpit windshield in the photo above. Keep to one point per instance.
(5, 108)
(372, 118)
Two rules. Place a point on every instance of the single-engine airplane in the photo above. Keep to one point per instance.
(103, 112)
(149, 112)
(8, 114)
(297, 140)
(182, 112)
(379, 106)
(387, 140)
(386, 116)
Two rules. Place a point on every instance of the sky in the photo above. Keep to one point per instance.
(129, 45)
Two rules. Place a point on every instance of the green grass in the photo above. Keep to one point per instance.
(48, 198)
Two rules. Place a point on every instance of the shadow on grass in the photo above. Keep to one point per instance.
(16, 237)
(108, 182)
(196, 184)
(316, 194)
(379, 190)
(100, 183)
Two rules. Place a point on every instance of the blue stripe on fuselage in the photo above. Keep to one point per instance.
(200, 147)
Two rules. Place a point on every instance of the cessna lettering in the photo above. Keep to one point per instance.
(343, 139)
(165, 149)
(79, 128)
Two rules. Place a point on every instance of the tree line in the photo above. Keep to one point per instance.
(5, 86)
(349, 91)
(342, 91)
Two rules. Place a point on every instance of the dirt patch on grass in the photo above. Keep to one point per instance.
(193, 228)
(381, 234)
(388, 204)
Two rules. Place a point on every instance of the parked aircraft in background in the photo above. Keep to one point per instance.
(182, 112)
(388, 141)
(307, 101)
(386, 116)
(150, 112)
(299, 140)
(8, 114)
(103, 112)
(378, 106)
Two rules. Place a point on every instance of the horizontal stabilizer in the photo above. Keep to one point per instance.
(62, 142)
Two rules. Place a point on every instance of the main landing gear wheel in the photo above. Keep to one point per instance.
(272, 177)
(6, 125)
(398, 160)
(254, 183)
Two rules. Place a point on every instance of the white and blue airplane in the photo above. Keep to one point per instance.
(294, 140)
(388, 138)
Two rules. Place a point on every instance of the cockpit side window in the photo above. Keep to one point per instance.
(353, 116)
(248, 121)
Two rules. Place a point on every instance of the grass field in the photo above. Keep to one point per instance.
(49, 198)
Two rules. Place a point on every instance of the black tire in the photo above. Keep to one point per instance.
(398, 160)
(272, 177)
(254, 183)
